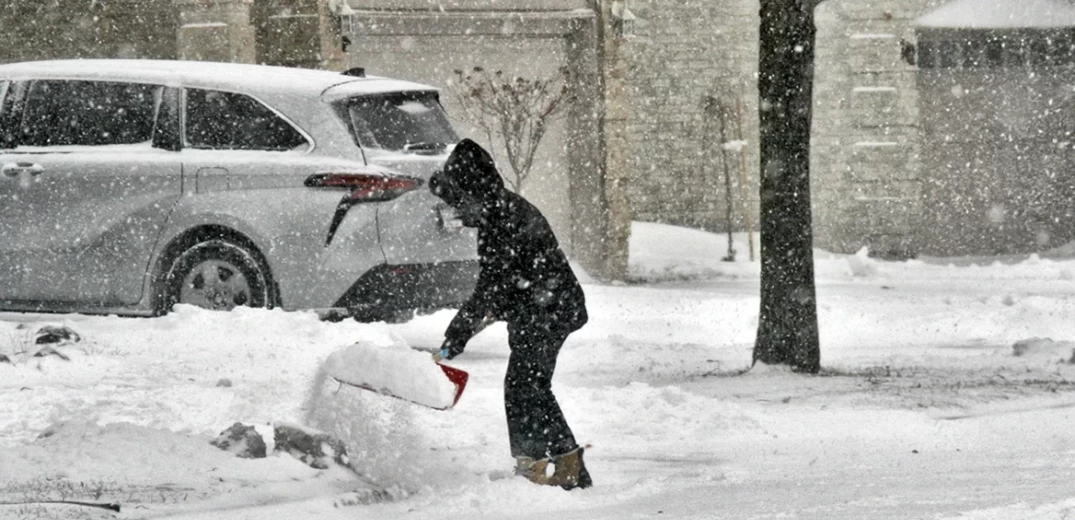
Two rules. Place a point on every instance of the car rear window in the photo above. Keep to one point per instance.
(229, 121)
(87, 113)
(398, 122)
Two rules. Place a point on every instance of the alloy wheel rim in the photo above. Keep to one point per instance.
(217, 285)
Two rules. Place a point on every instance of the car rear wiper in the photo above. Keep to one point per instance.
(424, 147)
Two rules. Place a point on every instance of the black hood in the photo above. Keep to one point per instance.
(469, 170)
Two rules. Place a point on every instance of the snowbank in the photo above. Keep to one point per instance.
(395, 370)
(924, 410)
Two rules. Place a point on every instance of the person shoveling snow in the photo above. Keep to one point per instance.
(525, 280)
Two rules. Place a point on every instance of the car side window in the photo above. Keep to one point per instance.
(229, 121)
(87, 113)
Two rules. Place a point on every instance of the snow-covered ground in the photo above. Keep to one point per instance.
(923, 410)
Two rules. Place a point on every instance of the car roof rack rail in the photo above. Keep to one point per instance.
(358, 72)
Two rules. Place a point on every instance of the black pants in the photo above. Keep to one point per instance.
(536, 426)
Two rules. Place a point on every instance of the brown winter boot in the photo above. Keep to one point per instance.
(532, 470)
(570, 471)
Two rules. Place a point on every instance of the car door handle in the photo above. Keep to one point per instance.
(14, 169)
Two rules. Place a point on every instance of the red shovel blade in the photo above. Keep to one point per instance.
(457, 377)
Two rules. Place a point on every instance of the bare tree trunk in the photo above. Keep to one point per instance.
(787, 328)
(744, 179)
(729, 197)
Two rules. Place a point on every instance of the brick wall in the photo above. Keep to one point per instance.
(298, 33)
(35, 30)
(289, 32)
(689, 60)
(866, 144)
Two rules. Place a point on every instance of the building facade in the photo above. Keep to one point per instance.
(663, 126)
(997, 103)
(694, 103)
(866, 148)
(943, 127)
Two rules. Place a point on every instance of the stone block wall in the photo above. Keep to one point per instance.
(865, 154)
(298, 33)
(691, 63)
(37, 30)
(216, 30)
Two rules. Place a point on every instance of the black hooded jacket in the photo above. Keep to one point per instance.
(525, 278)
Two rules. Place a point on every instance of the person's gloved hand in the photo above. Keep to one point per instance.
(441, 355)
(448, 350)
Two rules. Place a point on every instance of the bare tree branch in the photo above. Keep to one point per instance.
(516, 109)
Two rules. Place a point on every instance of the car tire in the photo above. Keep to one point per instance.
(218, 275)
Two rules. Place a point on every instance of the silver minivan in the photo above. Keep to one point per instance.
(127, 186)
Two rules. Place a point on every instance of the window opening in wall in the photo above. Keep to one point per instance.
(949, 53)
(1036, 49)
(973, 54)
(1014, 56)
(926, 55)
(994, 54)
(1061, 51)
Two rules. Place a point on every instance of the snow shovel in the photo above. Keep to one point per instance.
(398, 371)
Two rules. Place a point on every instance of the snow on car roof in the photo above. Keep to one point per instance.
(222, 76)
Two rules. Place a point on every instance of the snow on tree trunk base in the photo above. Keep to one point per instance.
(761, 368)
(1044, 347)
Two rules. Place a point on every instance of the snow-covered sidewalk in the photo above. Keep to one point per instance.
(923, 410)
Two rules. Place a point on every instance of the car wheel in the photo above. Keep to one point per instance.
(218, 275)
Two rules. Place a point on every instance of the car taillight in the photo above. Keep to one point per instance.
(365, 187)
